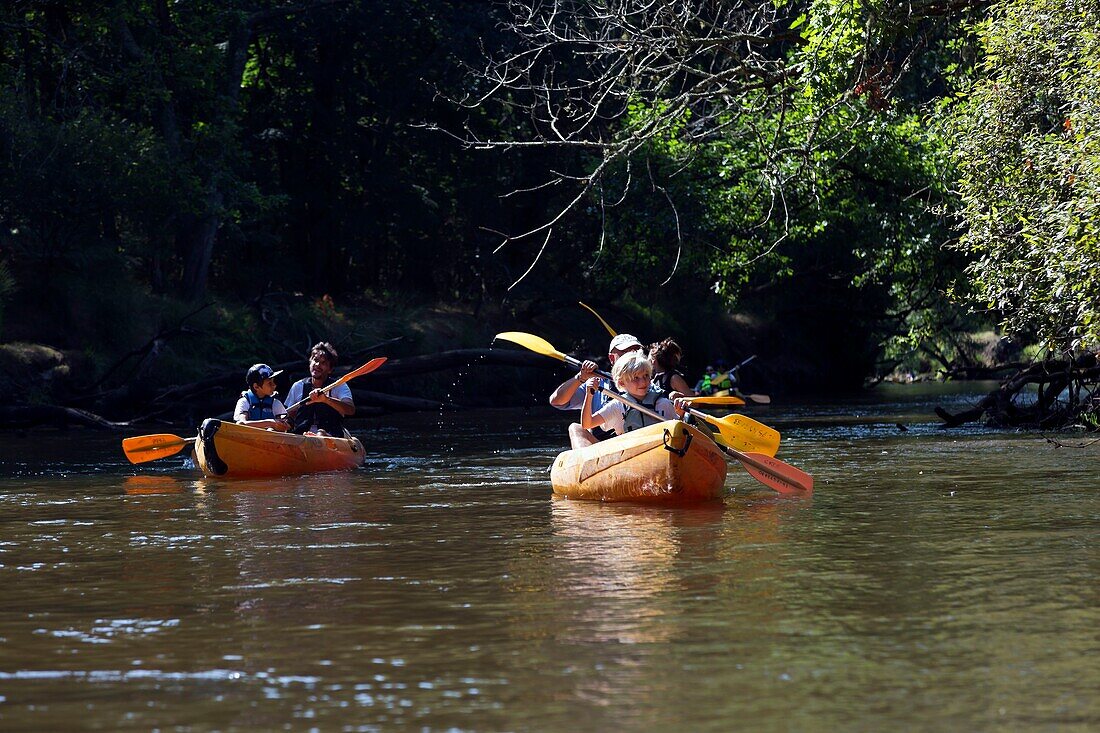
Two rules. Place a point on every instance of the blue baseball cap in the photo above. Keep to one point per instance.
(257, 373)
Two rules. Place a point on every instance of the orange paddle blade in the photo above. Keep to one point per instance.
(145, 448)
(775, 474)
(367, 368)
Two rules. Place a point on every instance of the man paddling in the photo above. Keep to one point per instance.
(323, 412)
(570, 394)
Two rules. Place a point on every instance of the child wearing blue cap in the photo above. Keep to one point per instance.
(258, 406)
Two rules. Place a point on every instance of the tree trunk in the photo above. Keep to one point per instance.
(202, 236)
(199, 247)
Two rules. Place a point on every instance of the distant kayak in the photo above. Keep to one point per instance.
(667, 462)
(752, 399)
(227, 450)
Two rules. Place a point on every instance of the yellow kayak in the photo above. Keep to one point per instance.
(667, 462)
(226, 450)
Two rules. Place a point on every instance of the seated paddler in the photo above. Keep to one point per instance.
(570, 394)
(258, 406)
(633, 374)
(312, 408)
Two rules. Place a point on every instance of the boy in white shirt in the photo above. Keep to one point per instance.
(633, 373)
(258, 406)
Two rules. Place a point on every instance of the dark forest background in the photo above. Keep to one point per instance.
(187, 188)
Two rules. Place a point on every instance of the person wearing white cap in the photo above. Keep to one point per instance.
(570, 394)
(258, 406)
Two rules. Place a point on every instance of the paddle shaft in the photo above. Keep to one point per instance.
(657, 415)
(304, 400)
(762, 399)
(717, 422)
(576, 362)
(769, 471)
(744, 458)
(606, 325)
(746, 361)
(370, 366)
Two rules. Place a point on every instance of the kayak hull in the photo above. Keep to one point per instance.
(667, 462)
(227, 450)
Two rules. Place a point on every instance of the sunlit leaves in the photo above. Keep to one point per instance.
(1028, 150)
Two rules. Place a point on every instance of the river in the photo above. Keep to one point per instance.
(935, 581)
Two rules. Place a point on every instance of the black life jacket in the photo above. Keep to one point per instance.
(259, 408)
(316, 414)
(663, 380)
(601, 433)
(634, 419)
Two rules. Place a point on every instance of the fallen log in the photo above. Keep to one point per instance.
(220, 390)
(423, 364)
(400, 403)
(409, 366)
(427, 363)
(21, 417)
(1000, 409)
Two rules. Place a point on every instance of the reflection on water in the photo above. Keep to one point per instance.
(615, 562)
(137, 485)
(935, 581)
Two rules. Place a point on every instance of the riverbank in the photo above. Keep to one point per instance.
(188, 364)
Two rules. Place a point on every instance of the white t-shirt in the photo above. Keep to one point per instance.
(614, 412)
(240, 412)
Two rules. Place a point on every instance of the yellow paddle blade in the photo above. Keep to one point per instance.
(716, 400)
(591, 310)
(145, 448)
(532, 342)
(744, 434)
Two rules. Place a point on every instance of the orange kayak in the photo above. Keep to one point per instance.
(227, 450)
(667, 462)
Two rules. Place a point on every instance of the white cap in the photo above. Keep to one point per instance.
(624, 342)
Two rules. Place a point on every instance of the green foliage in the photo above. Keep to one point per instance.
(124, 137)
(79, 199)
(127, 142)
(825, 208)
(1027, 135)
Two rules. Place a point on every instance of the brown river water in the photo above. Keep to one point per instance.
(935, 581)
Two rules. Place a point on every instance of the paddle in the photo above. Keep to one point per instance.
(367, 368)
(759, 399)
(145, 448)
(715, 400)
(734, 431)
(770, 471)
(610, 330)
